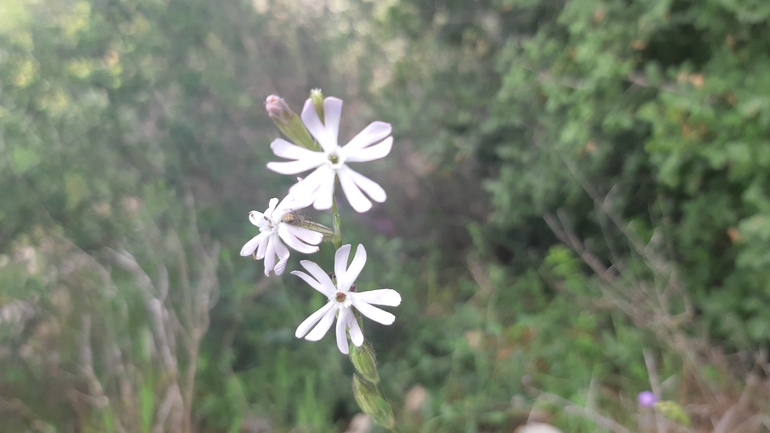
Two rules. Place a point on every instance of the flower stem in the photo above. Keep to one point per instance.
(337, 237)
(368, 393)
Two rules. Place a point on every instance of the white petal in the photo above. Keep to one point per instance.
(305, 235)
(341, 263)
(252, 245)
(374, 313)
(283, 257)
(359, 260)
(355, 197)
(290, 203)
(263, 246)
(371, 188)
(271, 206)
(308, 323)
(313, 283)
(316, 128)
(270, 255)
(387, 297)
(280, 267)
(257, 218)
(342, 338)
(287, 150)
(305, 189)
(320, 275)
(323, 326)
(355, 331)
(332, 115)
(370, 153)
(295, 167)
(325, 193)
(373, 133)
(293, 242)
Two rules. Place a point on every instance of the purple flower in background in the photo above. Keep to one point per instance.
(647, 399)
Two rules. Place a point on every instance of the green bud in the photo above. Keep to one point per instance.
(289, 122)
(372, 404)
(365, 362)
(673, 411)
(318, 101)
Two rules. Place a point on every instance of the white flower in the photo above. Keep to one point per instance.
(342, 298)
(374, 142)
(273, 229)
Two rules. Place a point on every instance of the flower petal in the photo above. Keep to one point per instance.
(370, 153)
(305, 235)
(308, 323)
(263, 246)
(323, 326)
(285, 149)
(371, 188)
(270, 255)
(295, 167)
(332, 116)
(374, 313)
(271, 206)
(290, 203)
(251, 245)
(317, 129)
(355, 197)
(258, 219)
(305, 189)
(321, 276)
(325, 193)
(341, 263)
(387, 297)
(313, 283)
(373, 133)
(293, 242)
(342, 322)
(349, 277)
(283, 257)
(355, 331)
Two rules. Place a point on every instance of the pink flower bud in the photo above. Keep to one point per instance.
(277, 107)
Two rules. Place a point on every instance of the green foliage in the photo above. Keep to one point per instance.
(653, 111)
(631, 123)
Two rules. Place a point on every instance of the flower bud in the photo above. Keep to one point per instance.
(289, 122)
(372, 404)
(278, 108)
(365, 362)
(318, 101)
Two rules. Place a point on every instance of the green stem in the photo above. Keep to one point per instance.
(337, 242)
(337, 237)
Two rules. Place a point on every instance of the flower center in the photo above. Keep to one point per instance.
(336, 160)
(269, 225)
(340, 297)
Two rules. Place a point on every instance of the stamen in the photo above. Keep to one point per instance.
(340, 297)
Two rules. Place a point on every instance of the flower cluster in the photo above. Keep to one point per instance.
(315, 135)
